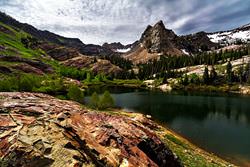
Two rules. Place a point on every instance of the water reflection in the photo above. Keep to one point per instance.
(218, 123)
(168, 107)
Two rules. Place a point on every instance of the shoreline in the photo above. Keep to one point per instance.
(186, 146)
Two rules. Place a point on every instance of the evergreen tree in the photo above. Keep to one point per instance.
(213, 74)
(229, 72)
(241, 74)
(206, 76)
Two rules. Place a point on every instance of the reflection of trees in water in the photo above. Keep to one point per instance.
(167, 108)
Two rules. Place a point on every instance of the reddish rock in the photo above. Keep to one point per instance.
(39, 130)
(28, 69)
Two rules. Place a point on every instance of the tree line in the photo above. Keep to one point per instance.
(167, 64)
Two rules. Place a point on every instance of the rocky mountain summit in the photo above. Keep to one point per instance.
(39, 130)
(157, 40)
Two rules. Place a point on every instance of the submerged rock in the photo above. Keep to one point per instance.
(39, 130)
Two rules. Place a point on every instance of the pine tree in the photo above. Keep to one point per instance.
(213, 74)
(241, 74)
(206, 76)
(229, 72)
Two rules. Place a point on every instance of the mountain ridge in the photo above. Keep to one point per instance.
(158, 41)
(89, 49)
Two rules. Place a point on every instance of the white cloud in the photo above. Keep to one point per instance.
(98, 21)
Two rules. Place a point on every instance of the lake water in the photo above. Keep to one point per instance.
(216, 123)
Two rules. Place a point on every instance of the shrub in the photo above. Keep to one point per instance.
(75, 93)
(106, 101)
(29, 82)
(8, 84)
(72, 72)
(94, 101)
(25, 84)
(103, 102)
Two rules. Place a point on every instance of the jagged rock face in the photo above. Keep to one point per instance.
(39, 130)
(155, 41)
(117, 45)
(158, 39)
(114, 46)
(197, 42)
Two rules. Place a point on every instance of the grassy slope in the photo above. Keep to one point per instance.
(11, 40)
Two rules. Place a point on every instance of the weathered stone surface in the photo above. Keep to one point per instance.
(28, 69)
(34, 63)
(39, 130)
(97, 66)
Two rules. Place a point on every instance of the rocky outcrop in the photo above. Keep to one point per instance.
(158, 39)
(57, 52)
(105, 67)
(39, 130)
(96, 65)
(116, 46)
(26, 68)
(155, 41)
(35, 64)
(197, 42)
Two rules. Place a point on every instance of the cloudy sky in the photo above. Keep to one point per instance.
(98, 21)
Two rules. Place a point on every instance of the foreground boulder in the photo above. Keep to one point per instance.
(39, 130)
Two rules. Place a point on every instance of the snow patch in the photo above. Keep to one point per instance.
(230, 37)
(123, 50)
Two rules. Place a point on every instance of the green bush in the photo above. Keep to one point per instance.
(94, 101)
(106, 101)
(26, 84)
(75, 93)
(8, 84)
(103, 102)
(72, 72)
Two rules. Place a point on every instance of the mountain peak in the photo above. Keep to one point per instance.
(157, 38)
(160, 24)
